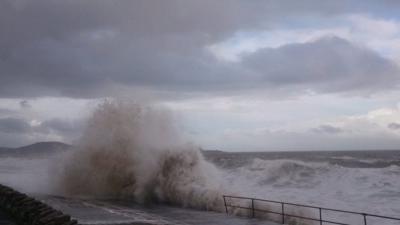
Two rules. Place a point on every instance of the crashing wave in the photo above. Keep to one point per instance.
(132, 151)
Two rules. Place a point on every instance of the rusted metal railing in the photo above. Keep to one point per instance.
(284, 214)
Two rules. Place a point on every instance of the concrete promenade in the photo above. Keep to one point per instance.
(109, 212)
(18, 208)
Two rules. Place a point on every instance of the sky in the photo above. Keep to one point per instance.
(257, 75)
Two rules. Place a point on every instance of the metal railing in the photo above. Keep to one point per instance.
(283, 214)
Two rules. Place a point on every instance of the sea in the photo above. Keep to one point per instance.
(360, 181)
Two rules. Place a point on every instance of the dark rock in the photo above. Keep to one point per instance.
(29, 211)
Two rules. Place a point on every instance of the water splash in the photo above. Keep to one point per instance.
(134, 151)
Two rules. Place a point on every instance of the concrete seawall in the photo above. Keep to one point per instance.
(26, 210)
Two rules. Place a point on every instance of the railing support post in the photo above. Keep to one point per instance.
(320, 216)
(283, 213)
(252, 207)
(226, 208)
(365, 218)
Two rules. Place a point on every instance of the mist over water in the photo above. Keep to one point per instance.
(135, 152)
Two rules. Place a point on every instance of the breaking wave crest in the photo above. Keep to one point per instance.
(135, 152)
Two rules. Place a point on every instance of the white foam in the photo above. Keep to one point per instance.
(371, 190)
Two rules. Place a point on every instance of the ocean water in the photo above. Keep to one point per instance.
(363, 181)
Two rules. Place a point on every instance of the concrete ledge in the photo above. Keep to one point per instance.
(26, 210)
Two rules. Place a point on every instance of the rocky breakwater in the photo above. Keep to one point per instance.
(26, 210)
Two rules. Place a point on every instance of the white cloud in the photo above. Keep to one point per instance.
(381, 35)
(322, 122)
(376, 27)
(246, 43)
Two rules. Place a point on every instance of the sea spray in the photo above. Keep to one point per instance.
(135, 152)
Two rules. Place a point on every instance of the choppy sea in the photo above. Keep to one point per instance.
(364, 181)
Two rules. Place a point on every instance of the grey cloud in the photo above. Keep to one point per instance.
(66, 127)
(330, 64)
(394, 126)
(14, 125)
(85, 48)
(25, 104)
(5, 112)
(59, 20)
(306, 141)
(327, 129)
(67, 130)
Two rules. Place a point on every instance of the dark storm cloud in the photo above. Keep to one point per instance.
(394, 126)
(76, 48)
(327, 129)
(83, 48)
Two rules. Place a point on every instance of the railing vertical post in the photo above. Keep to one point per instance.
(320, 216)
(252, 207)
(283, 213)
(365, 218)
(226, 208)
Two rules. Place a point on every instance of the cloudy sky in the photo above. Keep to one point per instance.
(239, 75)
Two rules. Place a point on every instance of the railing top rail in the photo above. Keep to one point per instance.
(296, 216)
(311, 206)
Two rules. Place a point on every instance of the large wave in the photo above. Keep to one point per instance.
(133, 151)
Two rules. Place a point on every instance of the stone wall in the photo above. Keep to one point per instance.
(26, 210)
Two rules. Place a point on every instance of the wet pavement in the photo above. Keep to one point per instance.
(112, 212)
